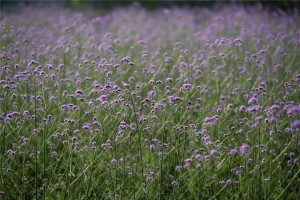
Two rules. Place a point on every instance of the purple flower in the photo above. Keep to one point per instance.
(244, 149)
(178, 168)
(267, 180)
(229, 182)
(233, 152)
(54, 154)
(170, 80)
(295, 124)
(188, 160)
(252, 101)
(187, 165)
(198, 157)
(237, 171)
(174, 184)
(113, 161)
(259, 118)
(87, 127)
(11, 153)
(213, 152)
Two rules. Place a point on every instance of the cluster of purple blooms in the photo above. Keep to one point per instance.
(150, 99)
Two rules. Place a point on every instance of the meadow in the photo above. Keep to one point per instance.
(172, 103)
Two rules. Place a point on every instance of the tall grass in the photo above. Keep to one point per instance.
(165, 104)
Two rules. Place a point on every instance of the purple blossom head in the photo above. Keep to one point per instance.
(267, 180)
(174, 184)
(54, 154)
(296, 124)
(233, 152)
(11, 153)
(178, 168)
(213, 152)
(244, 149)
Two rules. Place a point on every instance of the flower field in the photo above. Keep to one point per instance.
(174, 103)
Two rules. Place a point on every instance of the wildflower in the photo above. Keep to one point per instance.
(170, 80)
(229, 182)
(54, 154)
(213, 152)
(267, 180)
(178, 168)
(259, 118)
(79, 92)
(87, 127)
(198, 157)
(188, 160)
(295, 124)
(233, 152)
(11, 153)
(244, 149)
(174, 184)
(292, 154)
(237, 171)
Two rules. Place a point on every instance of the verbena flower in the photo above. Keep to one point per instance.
(244, 149)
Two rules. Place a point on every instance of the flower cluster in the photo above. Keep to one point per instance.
(148, 104)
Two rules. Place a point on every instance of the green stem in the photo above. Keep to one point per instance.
(36, 143)
(140, 144)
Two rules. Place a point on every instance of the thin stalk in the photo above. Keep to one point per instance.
(161, 162)
(90, 180)
(44, 156)
(2, 151)
(115, 166)
(140, 145)
(36, 143)
(131, 163)
(258, 159)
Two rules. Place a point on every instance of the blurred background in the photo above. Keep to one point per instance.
(286, 5)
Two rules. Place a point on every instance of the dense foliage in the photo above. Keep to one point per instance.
(163, 104)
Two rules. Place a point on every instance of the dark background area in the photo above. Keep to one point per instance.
(286, 5)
